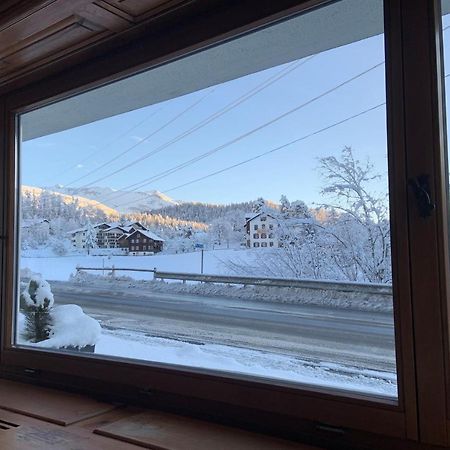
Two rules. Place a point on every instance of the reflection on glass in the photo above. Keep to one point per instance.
(228, 211)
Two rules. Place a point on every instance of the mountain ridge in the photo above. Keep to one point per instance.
(124, 202)
(67, 199)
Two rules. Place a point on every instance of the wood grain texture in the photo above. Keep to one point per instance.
(50, 405)
(49, 31)
(157, 430)
(25, 433)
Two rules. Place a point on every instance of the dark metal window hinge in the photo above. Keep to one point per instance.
(421, 188)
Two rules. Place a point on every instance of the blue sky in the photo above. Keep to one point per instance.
(57, 158)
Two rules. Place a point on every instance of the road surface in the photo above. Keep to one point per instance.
(357, 338)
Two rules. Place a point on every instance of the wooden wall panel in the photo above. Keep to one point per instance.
(138, 9)
(54, 29)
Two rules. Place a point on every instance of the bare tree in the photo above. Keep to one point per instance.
(361, 229)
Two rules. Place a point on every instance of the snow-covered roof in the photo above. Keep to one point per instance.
(148, 234)
(114, 228)
(255, 215)
(131, 223)
(126, 227)
(111, 224)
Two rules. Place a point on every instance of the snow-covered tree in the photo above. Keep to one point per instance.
(91, 237)
(36, 301)
(259, 205)
(361, 228)
(285, 204)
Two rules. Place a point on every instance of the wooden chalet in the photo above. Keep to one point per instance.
(142, 242)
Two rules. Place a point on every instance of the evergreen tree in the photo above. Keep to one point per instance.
(35, 302)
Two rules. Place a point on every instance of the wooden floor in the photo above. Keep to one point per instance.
(44, 419)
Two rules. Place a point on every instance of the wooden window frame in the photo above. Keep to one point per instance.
(419, 246)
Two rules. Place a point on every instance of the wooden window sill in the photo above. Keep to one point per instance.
(38, 418)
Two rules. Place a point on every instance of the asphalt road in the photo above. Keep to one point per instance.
(358, 338)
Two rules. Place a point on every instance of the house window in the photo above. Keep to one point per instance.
(255, 227)
(263, 235)
(263, 244)
(132, 241)
(270, 227)
(270, 235)
(255, 236)
(263, 226)
(263, 218)
(271, 244)
(255, 244)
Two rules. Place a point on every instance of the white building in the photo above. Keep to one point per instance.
(108, 234)
(78, 236)
(262, 231)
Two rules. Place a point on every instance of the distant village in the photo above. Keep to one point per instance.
(131, 238)
(259, 230)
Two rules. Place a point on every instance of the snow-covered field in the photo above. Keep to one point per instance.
(61, 267)
(134, 345)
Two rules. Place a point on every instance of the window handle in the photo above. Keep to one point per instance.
(421, 188)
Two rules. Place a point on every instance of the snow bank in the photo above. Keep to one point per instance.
(260, 294)
(125, 344)
(71, 328)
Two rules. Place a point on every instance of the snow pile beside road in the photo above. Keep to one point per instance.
(289, 295)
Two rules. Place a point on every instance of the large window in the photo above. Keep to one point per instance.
(251, 219)
(289, 135)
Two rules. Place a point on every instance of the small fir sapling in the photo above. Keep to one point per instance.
(36, 300)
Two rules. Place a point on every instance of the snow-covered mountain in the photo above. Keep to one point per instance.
(83, 202)
(123, 201)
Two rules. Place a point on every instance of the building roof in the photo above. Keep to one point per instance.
(126, 227)
(255, 215)
(147, 233)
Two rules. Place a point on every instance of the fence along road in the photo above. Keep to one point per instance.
(353, 287)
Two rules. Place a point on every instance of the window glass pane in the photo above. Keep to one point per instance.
(227, 211)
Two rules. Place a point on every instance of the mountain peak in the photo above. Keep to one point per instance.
(124, 202)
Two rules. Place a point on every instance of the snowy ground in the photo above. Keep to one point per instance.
(129, 343)
(245, 361)
(61, 267)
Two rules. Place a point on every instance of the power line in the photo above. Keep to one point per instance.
(273, 150)
(281, 146)
(321, 130)
(178, 167)
(271, 80)
(111, 142)
(166, 124)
